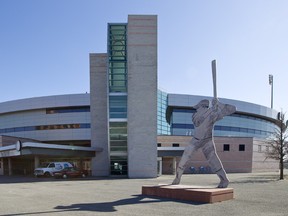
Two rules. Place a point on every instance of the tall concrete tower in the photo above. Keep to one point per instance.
(123, 91)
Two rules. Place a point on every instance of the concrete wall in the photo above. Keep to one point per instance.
(98, 109)
(142, 96)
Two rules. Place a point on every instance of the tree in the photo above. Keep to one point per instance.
(277, 143)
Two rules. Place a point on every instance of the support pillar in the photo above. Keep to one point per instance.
(99, 113)
(9, 167)
(174, 165)
(159, 166)
(1, 167)
(36, 162)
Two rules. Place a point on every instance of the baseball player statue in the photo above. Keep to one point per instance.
(204, 119)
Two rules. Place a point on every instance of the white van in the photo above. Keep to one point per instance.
(47, 169)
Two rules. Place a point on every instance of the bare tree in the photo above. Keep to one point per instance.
(277, 143)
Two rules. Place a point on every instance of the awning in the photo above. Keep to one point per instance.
(170, 151)
(33, 148)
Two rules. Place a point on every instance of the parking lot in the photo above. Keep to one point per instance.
(254, 194)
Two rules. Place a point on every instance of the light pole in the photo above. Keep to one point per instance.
(271, 83)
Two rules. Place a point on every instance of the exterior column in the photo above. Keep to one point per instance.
(36, 162)
(174, 165)
(159, 166)
(142, 96)
(99, 114)
(9, 167)
(1, 167)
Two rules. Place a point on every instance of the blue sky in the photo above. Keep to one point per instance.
(45, 46)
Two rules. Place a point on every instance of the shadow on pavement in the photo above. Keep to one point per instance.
(106, 206)
(110, 206)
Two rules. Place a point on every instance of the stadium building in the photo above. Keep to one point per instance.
(126, 125)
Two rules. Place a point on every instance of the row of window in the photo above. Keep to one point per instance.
(68, 109)
(220, 128)
(173, 145)
(226, 147)
(45, 127)
(177, 110)
(118, 106)
(238, 123)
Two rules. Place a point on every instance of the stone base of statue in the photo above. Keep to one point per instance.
(189, 193)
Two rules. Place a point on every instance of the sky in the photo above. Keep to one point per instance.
(45, 46)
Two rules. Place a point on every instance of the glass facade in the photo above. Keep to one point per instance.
(117, 58)
(163, 128)
(118, 148)
(117, 82)
(250, 120)
(118, 106)
(118, 137)
(238, 125)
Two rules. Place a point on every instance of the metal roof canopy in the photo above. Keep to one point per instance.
(170, 151)
(33, 148)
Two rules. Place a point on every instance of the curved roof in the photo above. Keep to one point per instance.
(188, 101)
(45, 102)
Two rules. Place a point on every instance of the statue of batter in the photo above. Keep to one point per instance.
(203, 121)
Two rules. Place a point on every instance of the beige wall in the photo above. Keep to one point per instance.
(260, 162)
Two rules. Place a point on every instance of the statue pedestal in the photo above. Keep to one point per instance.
(189, 193)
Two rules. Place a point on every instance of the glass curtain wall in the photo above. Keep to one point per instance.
(237, 125)
(117, 78)
(163, 128)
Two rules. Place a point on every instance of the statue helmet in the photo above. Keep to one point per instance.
(203, 103)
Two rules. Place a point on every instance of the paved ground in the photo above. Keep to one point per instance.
(258, 194)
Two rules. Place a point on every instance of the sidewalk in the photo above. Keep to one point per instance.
(259, 194)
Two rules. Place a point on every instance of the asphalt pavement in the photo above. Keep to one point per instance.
(259, 194)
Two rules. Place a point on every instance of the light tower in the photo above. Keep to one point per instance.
(271, 83)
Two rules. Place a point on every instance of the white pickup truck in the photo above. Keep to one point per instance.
(47, 169)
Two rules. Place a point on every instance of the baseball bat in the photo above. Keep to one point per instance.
(214, 78)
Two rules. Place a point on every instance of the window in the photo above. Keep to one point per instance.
(118, 138)
(242, 147)
(58, 167)
(118, 106)
(52, 165)
(158, 144)
(259, 148)
(175, 145)
(226, 147)
(117, 73)
(67, 109)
